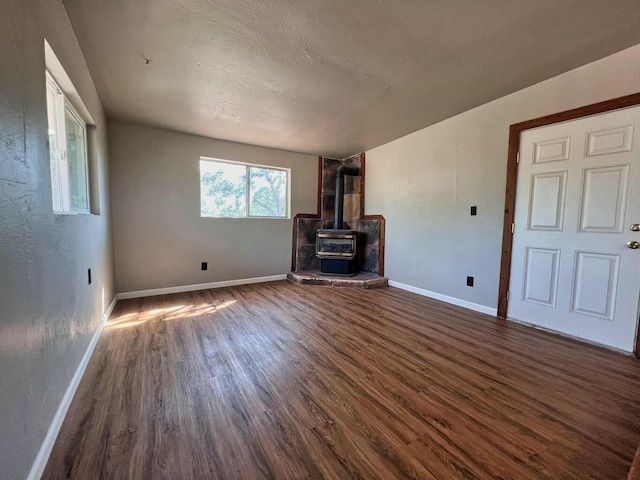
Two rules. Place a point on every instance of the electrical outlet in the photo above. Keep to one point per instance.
(474, 210)
(204, 266)
(469, 281)
(89, 276)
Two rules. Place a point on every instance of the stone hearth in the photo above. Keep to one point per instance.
(361, 280)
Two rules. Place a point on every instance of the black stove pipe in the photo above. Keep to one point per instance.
(339, 203)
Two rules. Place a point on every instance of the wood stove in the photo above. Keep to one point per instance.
(336, 249)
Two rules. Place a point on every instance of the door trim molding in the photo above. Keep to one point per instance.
(512, 175)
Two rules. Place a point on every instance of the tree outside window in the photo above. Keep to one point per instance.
(237, 190)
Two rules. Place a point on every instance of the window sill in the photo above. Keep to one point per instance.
(72, 213)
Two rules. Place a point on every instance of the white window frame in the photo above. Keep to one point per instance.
(61, 191)
(248, 187)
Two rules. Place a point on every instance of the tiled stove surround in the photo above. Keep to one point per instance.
(370, 228)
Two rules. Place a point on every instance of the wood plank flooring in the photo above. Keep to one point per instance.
(283, 381)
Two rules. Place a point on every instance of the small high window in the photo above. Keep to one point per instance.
(240, 190)
(67, 152)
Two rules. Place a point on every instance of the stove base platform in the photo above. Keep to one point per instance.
(359, 280)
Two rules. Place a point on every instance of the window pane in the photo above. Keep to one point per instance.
(223, 188)
(55, 152)
(77, 162)
(268, 189)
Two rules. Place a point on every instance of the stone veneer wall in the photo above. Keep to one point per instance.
(370, 231)
(352, 190)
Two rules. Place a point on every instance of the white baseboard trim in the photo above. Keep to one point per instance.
(199, 286)
(107, 314)
(42, 458)
(445, 298)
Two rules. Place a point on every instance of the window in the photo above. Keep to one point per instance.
(237, 190)
(67, 153)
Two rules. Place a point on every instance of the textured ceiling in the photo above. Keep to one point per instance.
(331, 77)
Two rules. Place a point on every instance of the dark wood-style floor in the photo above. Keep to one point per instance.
(284, 381)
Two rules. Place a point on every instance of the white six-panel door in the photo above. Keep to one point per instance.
(577, 194)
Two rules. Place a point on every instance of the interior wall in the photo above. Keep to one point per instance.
(48, 312)
(425, 183)
(160, 238)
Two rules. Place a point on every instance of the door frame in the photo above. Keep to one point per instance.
(512, 176)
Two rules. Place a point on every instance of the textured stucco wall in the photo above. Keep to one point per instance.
(48, 313)
(424, 183)
(160, 238)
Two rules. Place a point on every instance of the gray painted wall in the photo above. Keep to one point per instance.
(160, 238)
(48, 313)
(424, 183)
